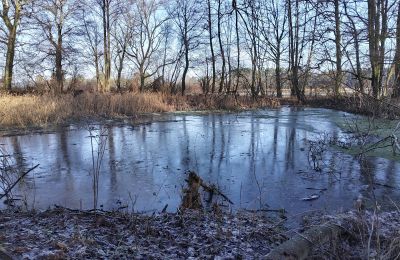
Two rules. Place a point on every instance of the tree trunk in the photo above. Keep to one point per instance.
(396, 87)
(300, 246)
(96, 62)
(108, 67)
(358, 62)
(291, 49)
(59, 69)
(9, 66)
(376, 36)
(222, 80)
(142, 78)
(237, 45)
(278, 80)
(382, 39)
(338, 78)
(119, 74)
(185, 70)
(211, 47)
(121, 64)
(229, 83)
(12, 26)
(106, 41)
(294, 51)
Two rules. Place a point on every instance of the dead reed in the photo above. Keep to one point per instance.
(23, 111)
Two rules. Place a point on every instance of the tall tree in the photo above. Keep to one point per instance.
(55, 18)
(92, 40)
(221, 47)
(377, 35)
(147, 36)
(187, 16)
(105, 6)
(338, 45)
(236, 10)
(354, 34)
(210, 33)
(274, 33)
(11, 16)
(122, 35)
(294, 46)
(396, 90)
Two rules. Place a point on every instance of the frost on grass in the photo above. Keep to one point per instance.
(57, 234)
(369, 235)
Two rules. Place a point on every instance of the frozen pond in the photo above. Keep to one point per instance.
(258, 159)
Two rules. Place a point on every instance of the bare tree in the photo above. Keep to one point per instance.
(338, 45)
(302, 21)
(396, 91)
(274, 33)
(236, 10)
(354, 34)
(105, 6)
(294, 57)
(11, 16)
(92, 39)
(377, 35)
(122, 35)
(55, 19)
(146, 39)
(211, 36)
(221, 47)
(187, 17)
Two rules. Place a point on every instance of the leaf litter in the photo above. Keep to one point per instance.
(62, 233)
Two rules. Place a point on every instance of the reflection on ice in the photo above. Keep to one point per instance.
(256, 158)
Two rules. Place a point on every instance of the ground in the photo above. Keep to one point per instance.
(60, 233)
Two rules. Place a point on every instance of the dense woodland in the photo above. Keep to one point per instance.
(255, 47)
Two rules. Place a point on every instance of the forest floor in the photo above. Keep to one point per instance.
(61, 234)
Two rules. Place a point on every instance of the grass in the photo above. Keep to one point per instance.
(25, 111)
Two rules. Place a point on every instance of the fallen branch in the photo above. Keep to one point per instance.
(384, 185)
(18, 180)
(90, 211)
(283, 211)
(212, 189)
(300, 246)
(322, 189)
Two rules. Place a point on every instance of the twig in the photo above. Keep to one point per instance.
(323, 189)
(18, 180)
(216, 190)
(266, 210)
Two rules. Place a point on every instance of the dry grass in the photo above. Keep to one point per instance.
(29, 110)
(369, 235)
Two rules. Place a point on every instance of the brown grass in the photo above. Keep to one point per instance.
(30, 110)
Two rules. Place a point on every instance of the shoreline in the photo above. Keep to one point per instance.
(27, 113)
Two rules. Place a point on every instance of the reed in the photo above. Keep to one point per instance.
(23, 111)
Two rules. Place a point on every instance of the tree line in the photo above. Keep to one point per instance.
(230, 46)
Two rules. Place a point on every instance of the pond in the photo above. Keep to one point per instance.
(258, 159)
